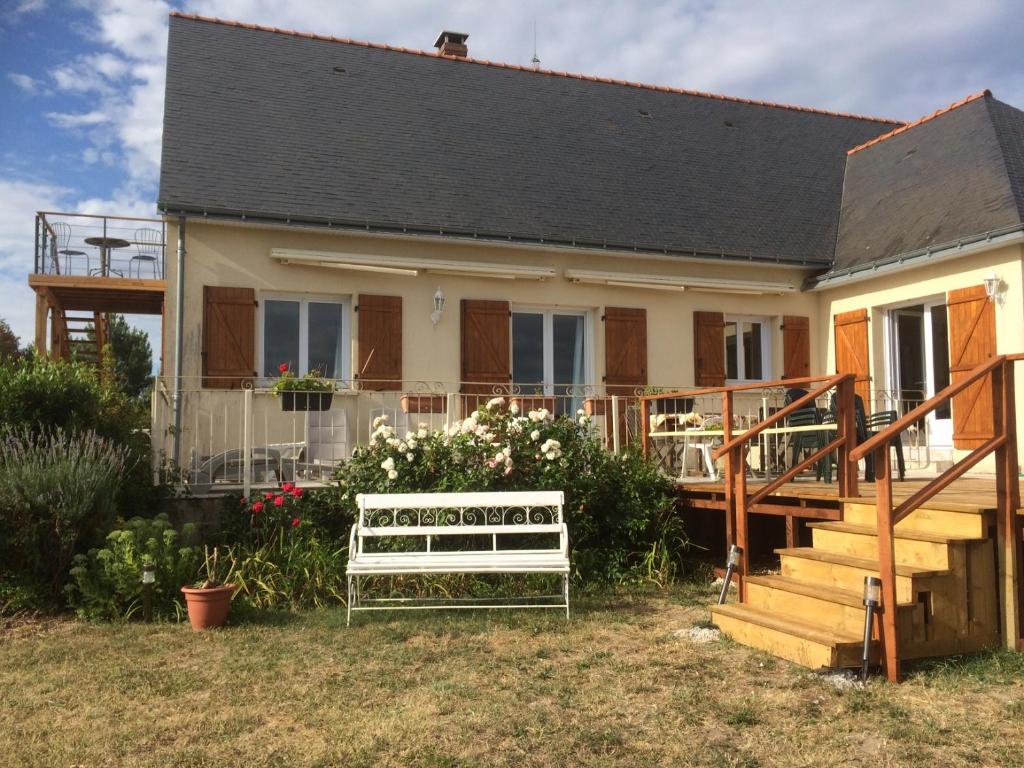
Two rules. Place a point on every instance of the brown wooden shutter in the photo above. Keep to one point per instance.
(229, 336)
(796, 347)
(972, 341)
(486, 346)
(709, 349)
(380, 342)
(625, 350)
(851, 330)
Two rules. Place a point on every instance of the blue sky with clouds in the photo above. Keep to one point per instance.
(81, 81)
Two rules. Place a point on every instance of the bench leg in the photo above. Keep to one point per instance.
(565, 590)
(348, 620)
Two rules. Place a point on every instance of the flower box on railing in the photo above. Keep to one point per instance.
(306, 401)
(414, 403)
(533, 403)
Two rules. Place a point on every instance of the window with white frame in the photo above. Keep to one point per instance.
(747, 348)
(307, 333)
(550, 355)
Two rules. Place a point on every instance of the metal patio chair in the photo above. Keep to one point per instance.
(149, 247)
(62, 247)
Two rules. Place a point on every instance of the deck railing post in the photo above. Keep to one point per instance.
(847, 425)
(616, 439)
(645, 425)
(247, 441)
(730, 488)
(886, 564)
(1007, 502)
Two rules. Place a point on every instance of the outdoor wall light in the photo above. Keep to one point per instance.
(872, 601)
(992, 283)
(730, 566)
(435, 316)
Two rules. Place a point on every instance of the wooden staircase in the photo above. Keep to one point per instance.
(79, 337)
(812, 612)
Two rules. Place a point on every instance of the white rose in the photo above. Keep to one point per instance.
(514, 408)
(422, 433)
(412, 443)
(409, 457)
(535, 435)
(495, 402)
(550, 455)
(388, 464)
(392, 475)
(580, 412)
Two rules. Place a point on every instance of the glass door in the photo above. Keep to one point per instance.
(936, 334)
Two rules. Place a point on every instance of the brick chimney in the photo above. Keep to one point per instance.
(452, 44)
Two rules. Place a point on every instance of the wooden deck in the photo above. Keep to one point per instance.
(974, 494)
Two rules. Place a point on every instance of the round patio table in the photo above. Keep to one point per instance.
(105, 244)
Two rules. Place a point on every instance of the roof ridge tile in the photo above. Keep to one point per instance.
(925, 119)
(549, 72)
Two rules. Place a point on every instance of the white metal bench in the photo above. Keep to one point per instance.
(435, 518)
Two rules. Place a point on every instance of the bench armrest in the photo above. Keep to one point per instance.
(352, 541)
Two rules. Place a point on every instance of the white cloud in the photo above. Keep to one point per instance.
(77, 120)
(24, 82)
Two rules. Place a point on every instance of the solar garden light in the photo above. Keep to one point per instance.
(148, 579)
(730, 566)
(872, 601)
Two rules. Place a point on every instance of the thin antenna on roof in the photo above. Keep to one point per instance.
(535, 61)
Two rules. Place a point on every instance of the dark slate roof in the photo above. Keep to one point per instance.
(953, 175)
(281, 125)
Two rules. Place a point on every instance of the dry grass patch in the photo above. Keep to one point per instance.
(618, 685)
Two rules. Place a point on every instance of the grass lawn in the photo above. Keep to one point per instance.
(618, 685)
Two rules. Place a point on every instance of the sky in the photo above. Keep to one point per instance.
(82, 81)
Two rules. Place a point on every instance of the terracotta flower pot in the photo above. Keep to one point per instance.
(208, 607)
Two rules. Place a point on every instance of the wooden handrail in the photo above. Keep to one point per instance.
(782, 413)
(776, 383)
(929, 405)
(793, 471)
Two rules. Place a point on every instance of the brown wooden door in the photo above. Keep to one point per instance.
(486, 347)
(796, 347)
(380, 342)
(851, 331)
(972, 341)
(709, 349)
(229, 336)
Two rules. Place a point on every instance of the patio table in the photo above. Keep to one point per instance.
(105, 244)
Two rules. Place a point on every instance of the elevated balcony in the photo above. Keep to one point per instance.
(87, 266)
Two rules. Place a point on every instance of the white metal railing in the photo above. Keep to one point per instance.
(241, 437)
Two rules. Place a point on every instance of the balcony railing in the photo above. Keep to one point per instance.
(84, 245)
(237, 438)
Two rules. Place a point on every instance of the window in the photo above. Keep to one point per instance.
(310, 334)
(747, 349)
(549, 355)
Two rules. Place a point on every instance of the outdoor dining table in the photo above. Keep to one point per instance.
(105, 244)
(704, 438)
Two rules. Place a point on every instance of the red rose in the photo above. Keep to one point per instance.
(257, 507)
(287, 487)
(279, 501)
(297, 493)
(283, 367)
(243, 501)
(295, 522)
(268, 495)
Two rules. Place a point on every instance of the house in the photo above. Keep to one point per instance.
(585, 236)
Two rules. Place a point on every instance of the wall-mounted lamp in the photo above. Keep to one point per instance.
(435, 316)
(992, 283)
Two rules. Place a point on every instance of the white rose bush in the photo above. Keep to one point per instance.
(619, 509)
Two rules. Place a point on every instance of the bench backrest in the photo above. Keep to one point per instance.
(459, 514)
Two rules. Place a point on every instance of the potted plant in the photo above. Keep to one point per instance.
(209, 601)
(311, 392)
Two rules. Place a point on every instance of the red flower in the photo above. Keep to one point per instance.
(297, 493)
(295, 522)
(243, 501)
(257, 507)
(283, 367)
(268, 495)
(279, 501)
(286, 487)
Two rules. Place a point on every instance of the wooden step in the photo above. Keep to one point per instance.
(923, 548)
(835, 569)
(959, 521)
(798, 640)
(833, 606)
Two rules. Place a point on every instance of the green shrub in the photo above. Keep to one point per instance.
(58, 492)
(294, 568)
(619, 509)
(106, 583)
